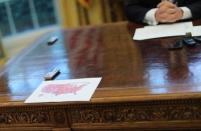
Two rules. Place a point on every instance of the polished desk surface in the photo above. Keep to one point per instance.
(130, 70)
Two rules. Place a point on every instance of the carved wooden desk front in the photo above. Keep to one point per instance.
(144, 85)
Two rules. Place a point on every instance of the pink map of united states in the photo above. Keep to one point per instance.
(60, 89)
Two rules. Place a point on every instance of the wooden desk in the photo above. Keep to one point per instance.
(144, 85)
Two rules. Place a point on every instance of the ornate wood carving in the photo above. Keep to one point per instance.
(136, 112)
(100, 113)
(33, 116)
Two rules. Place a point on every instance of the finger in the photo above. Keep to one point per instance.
(171, 11)
(167, 18)
(176, 16)
(166, 4)
(172, 18)
(162, 17)
(165, 10)
(161, 3)
(161, 11)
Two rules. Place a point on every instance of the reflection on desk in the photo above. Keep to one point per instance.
(144, 85)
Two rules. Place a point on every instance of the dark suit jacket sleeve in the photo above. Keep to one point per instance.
(195, 9)
(134, 11)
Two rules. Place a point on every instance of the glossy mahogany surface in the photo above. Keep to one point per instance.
(130, 70)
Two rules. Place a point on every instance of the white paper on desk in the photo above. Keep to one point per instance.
(196, 31)
(188, 25)
(64, 90)
(158, 31)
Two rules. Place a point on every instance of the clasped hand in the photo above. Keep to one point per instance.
(168, 12)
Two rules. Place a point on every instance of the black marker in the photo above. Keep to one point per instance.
(52, 40)
(52, 74)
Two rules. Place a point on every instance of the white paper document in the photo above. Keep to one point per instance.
(196, 31)
(64, 90)
(167, 30)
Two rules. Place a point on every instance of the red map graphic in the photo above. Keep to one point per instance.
(59, 89)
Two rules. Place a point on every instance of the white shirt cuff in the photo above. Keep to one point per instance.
(186, 13)
(150, 17)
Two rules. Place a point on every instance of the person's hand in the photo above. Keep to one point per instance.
(167, 4)
(168, 12)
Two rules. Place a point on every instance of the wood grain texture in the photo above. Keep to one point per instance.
(144, 85)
